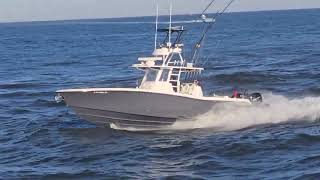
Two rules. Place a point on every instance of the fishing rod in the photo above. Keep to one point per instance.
(207, 28)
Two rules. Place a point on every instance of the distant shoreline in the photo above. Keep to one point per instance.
(119, 18)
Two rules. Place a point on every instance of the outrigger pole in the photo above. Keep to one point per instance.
(207, 28)
(208, 6)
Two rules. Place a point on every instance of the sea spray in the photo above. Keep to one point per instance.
(276, 109)
(229, 117)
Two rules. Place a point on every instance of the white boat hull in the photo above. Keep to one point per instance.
(137, 108)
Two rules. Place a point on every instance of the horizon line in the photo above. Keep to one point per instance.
(122, 17)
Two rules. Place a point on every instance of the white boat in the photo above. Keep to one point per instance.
(169, 91)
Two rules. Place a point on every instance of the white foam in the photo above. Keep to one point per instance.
(279, 109)
(134, 129)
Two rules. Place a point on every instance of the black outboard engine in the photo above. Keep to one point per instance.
(255, 98)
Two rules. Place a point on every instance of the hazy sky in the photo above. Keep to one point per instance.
(34, 10)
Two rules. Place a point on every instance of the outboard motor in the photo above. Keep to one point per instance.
(255, 98)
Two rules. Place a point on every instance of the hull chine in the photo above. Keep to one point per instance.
(104, 117)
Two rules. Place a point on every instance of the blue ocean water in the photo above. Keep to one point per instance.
(274, 52)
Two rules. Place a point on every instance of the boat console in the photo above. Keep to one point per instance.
(167, 70)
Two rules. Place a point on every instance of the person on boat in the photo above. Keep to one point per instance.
(236, 94)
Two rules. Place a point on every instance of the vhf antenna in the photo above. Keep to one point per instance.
(157, 19)
(170, 24)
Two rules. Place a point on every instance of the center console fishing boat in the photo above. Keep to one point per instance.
(169, 91)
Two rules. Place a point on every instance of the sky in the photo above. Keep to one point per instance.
(43, 10)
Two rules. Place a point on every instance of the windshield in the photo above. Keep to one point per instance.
(164, 75)
(152, 75)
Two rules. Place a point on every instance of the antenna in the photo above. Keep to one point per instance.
(156, 34)
(170, 23)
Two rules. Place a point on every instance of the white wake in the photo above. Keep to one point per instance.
(278, 109)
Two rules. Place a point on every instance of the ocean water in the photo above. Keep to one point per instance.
(276, 53)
